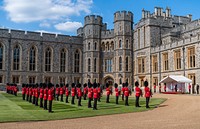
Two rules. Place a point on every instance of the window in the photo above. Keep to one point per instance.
(120, 43)
(127, 44)
(138, 38)
(127, 80)
(62, 80)
(193, 78)
(155, 63)
(62, 60)
(95, 46)
(108, 46)
(89, 65)
(1, 56)
(32, 59)
(1, 79)
(108, 65)
(191, 57)
(155, 80)
(15, 79)
(89, 46)
(141, 65)
(95, 65)
(120, 63)
(76, 61)
(16, 58)
(31, 79)
(177, 58)
(165, 62)
(48, 55)
(47, 79)
(126, 63)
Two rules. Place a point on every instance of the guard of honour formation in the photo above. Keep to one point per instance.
(42, 93)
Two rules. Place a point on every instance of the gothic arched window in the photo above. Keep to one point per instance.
(32, 59)
(95, 64)
(126, 63)
(48, 56)
(62, 60)
(16, 57)
(89, 65)
(120, 63)
(89, 46)
(76, 61)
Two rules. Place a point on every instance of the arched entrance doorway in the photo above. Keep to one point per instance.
(108, 80)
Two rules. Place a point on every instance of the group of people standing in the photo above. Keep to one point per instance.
(12, 89)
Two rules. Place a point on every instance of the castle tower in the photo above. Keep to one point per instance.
(123, 33)
(91, 48)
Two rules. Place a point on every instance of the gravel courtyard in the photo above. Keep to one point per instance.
(178, 112)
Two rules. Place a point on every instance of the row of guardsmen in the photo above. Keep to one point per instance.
(44, 92)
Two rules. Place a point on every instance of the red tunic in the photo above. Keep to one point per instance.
(95, 91)
(27, 91)
(45, 93)
(126, 92)
(123, 90)
(57, 90)
(61, 91)
(116, 92)
(137, 91)
(108, 91)
(30, 91)
(85, 90)
(23, 90)
(90, 90)
(50, 94)
(154, 86)
(66, 91)
(165, 87)
(73, 92)
(41, 93)
(36, 92)
(79, 92)
(147, 92)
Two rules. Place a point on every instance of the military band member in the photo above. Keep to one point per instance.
(137, 94)
(154, 87)
(67, 93)
(73, 91)
(15, 89)
(27, 92)
(61, 92)
(45, 96)
(23, 91)
(126, 94)
(41, 94)
(108, 92)
(57, 92)
(30, 93)
(123, 90)
(33, 93)
(95, 95)
(99, 92)
(50, 96)
(79, 92)
(147, 93)
(117, 93)
(85, 91)
(36, 94)
(90, 95)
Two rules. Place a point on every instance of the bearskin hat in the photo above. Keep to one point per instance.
(136, 83)
(146, 83)
(73, 84)
(67, 85)
(95, 85)
(116, 85)
(107, 85)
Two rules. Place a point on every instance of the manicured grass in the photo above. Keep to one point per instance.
(13, 108)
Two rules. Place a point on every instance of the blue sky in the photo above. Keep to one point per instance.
(65, 16)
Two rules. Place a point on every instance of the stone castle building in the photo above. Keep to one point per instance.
(160, 44)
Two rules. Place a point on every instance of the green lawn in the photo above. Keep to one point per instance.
(13, 108)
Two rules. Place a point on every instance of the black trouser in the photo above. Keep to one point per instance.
(45, 104)
(41, 102)
(50, 105)
(57, 97)
(147, 102)
(122, 97)
(159, 90)
(61, 97)
(89, 103)
(117, 98)
(99, 97)
(85, 96)
(197, 91)
(107, 99)
(15, 93)
(23, 96)
(95, 104)
(66, 99)
(33, 102)
(137, 101)
(72, 102)
(30, 98)
(189, 91)
(36, 101)
(154, 90)
(126, 100)
(165, 90)
(27, 97)
(79, 101)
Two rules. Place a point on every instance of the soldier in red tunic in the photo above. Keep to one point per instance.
(36, 94)
(108, 92)
(30, 93)
(117, 93)
(189, 87)
(57, 92)
(45, 96)
(147, 93)
(67, 93)
(15, 89)
(85, 91)
(73, 91)
(95, 95)
(79, 92)
(50, 96)
(99, 92)
(123, 90)
(27, 92)
(61, 92)
(41, 94)
(154, 87)
(90, 95)
(23, 91)
(137, 94)
(126, 94)
(33, 93)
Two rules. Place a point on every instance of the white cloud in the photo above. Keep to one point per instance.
(45, 24)
(38, 10)
(68, 26)
(44, 31)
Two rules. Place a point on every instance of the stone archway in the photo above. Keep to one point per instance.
(109, 80)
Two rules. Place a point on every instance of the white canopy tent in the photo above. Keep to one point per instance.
(179, 80)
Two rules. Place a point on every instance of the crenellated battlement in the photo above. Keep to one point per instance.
(107, 33)
(93, 19)
(123, 15)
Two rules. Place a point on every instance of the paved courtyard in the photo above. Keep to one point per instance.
(178, 112)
